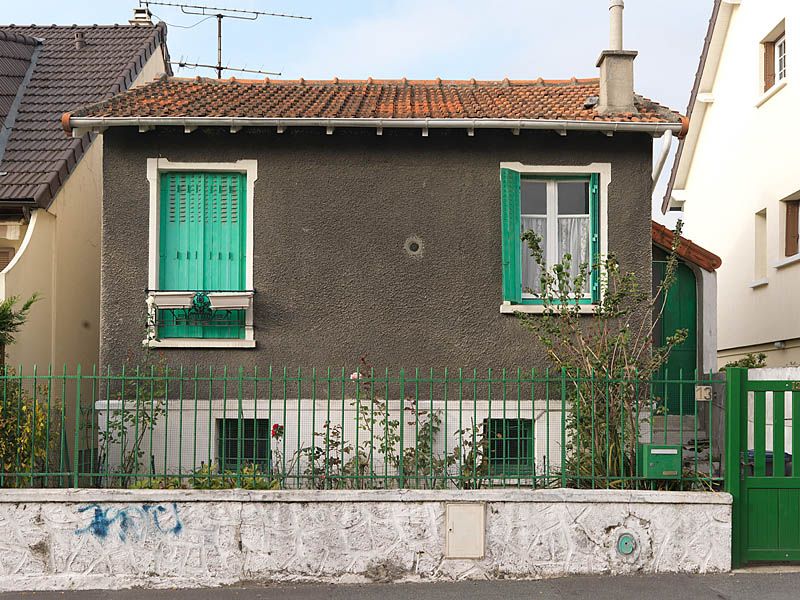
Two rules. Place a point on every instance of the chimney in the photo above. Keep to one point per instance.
(141, 17)
(80, 40)
(616, 69)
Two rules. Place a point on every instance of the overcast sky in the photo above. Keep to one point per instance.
(423, 39)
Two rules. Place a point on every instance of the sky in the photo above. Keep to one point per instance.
(422, 39)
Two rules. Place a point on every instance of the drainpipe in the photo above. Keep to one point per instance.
(665, 148)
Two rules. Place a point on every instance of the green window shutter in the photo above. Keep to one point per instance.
(510, 217)
(202, 246)
(594, 232)
(225, 246)
(181, 243)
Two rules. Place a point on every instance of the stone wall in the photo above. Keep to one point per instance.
(114, 538)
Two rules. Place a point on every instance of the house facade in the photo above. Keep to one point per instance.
(745, 78)
(51, 185)
(262, 224)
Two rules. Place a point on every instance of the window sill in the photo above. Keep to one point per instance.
(538, 309)
(198, 343)
(785, 262)
(219, 300)
(771, 92)
(758, 283)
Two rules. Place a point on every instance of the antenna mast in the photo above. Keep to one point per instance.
(220, 13)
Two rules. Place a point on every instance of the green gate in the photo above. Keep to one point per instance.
(759, 471)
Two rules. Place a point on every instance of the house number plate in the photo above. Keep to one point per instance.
(702, 393)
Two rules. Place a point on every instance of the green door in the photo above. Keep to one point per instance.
(202, 248)
(760, 471)
(680, 312)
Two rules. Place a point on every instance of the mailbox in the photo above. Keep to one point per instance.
(660, 461)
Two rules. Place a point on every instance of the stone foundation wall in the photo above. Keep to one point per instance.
(117, 538)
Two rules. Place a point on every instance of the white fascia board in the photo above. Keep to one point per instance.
(654, 129)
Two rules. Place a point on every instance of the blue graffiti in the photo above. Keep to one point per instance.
(133, 521)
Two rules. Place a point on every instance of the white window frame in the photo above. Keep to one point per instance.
(552, 217)
(543, 171)
(243, 300)
(780, 73)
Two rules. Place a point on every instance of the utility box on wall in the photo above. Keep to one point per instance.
(660, 461)
(465, 526)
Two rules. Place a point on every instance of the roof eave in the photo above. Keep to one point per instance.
(79, 125)
(704, 80)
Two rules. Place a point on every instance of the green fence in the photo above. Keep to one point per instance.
(210, 428)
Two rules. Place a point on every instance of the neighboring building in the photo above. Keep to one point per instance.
(735, 178)
(306, 223)
(51, 185)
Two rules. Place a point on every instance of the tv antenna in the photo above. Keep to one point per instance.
(220, 13)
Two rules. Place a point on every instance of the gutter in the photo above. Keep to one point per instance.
(77, 126)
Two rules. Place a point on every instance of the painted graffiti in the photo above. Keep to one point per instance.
(131, 522)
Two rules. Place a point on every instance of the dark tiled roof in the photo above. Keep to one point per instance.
(16, 52)
(687, 249)
(38, 156)
(364, 99)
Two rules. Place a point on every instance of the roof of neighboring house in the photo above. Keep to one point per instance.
(567, 100)
(37, 158)
(687, 249)
(710, 46)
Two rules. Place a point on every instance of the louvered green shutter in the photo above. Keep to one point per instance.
(594, 217)
(510, 217)
(202, 244)
(224, 243)
(181, 241)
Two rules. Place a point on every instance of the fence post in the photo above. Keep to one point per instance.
(75, 462)
(736, 396)
(400, 465)
(563, 427)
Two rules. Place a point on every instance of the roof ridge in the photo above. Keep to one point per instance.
(400, 81)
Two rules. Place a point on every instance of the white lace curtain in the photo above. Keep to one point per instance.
(573, 238)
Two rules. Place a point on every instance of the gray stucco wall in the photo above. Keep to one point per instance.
(332, 213)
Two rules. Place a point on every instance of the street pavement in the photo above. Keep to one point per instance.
(741, 585)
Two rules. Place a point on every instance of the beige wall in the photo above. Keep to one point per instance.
(745, 161)
(59, 258)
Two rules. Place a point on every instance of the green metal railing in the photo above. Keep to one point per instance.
(363, 428)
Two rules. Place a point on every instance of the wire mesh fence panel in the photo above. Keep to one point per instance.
(281, 428)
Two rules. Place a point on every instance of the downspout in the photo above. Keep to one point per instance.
(665, 148)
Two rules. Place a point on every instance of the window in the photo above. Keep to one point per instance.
(792, 227)
(775, 58)
(200, 274)
(760, 253)
(564, 211)
(243, 442)
(510, 446)
(6, 255)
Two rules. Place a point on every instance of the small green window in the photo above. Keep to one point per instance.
(202, 233)
(564, 212)
(510, 446)
(242, 443)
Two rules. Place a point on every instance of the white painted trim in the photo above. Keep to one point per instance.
(219, 300)
(758, 283)
(772, 91)
(26, 240)
(82, 125)
(603, 169)
(154, 167)
(201, 343)
(538, 309)
(785, 262)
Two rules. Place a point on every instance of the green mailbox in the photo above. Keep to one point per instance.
(660, 461)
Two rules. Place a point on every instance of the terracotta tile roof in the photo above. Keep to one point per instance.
(370, 99)
(687, 249)
(38, 157)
